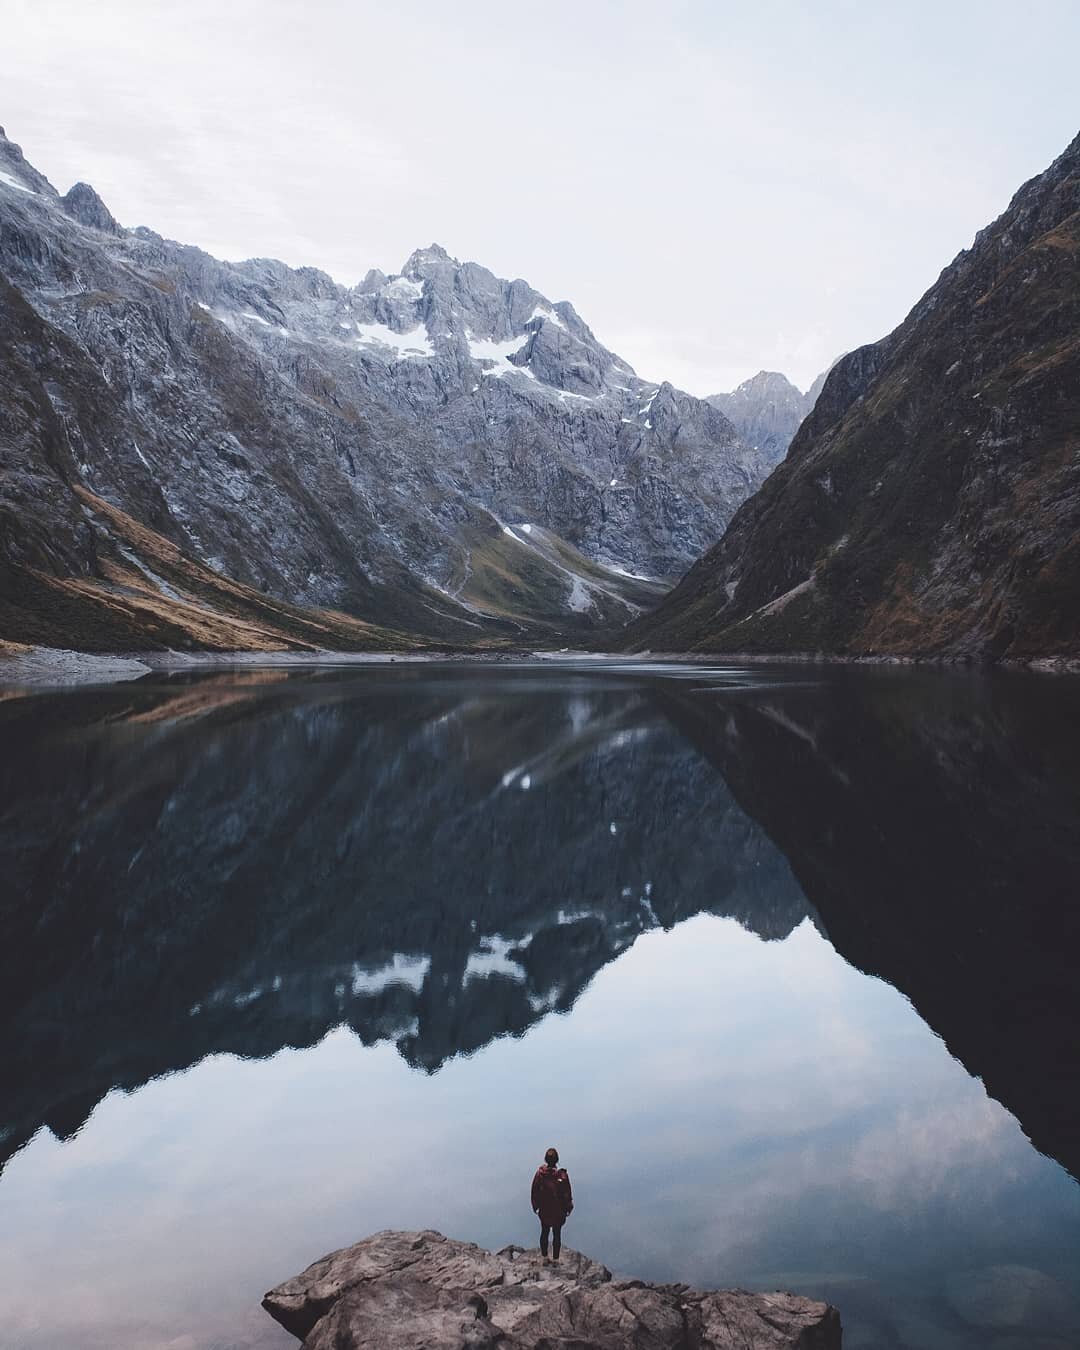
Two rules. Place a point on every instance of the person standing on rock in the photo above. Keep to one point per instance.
(552, 1201)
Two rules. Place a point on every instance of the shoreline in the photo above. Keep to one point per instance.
(35, 667)
(59, 667)
(1044, 665)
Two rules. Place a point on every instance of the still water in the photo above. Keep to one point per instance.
(780, 959)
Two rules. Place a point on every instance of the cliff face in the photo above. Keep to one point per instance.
(440, 451)
(930, 504)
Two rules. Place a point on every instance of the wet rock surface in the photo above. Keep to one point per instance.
(406, 1290)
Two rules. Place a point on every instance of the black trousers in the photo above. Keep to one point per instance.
(555, 1230)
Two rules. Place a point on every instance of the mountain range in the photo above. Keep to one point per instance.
(199, 453)
(203, 454)
(930, 503)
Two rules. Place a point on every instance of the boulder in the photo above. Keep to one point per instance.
(407, 1290)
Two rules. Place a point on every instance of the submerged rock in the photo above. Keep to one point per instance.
(1015, 1298)
(402, 1290)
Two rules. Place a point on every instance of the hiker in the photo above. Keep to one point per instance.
(553, 1201)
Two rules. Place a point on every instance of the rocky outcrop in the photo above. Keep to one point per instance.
(767, 410)
(930, 504)
(440, 451)
(83, 204)
(404, 1291)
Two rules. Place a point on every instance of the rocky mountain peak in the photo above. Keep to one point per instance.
(770, 382)
(767, 410)
(83, 204)
(431, 261)
(374, 277)
(500, 325)
(17, 174)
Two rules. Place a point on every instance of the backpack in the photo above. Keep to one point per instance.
(553, 1186)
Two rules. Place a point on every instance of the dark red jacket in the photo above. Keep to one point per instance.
(552, 1198)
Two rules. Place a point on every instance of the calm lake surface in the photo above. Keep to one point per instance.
(781, 959)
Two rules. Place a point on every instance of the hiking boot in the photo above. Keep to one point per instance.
(546, 1260)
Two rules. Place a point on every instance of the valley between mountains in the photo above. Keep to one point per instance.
(214, 456)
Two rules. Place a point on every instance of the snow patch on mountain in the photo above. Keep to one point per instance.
(10, 181)
(546, 312)
(415, 343)
(489, 350)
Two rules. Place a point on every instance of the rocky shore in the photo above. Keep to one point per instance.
(21, 664)
(28, 666)
(48, 667)
(407, 1290)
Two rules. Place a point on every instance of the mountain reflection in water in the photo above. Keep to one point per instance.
(437, 858)
(934, 820)
(229, 866)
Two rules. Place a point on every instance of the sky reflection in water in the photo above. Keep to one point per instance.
(732, 1110)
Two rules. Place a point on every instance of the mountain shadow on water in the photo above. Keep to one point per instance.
(240, 863)
(933, 822)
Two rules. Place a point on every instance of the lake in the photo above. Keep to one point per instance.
(782, 960)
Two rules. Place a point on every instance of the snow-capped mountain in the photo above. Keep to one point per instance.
(439, 451)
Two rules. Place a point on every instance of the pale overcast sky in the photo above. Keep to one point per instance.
(717, 187)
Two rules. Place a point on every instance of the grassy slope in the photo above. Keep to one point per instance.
(516, 576)
(145, 593)
(124, 609)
